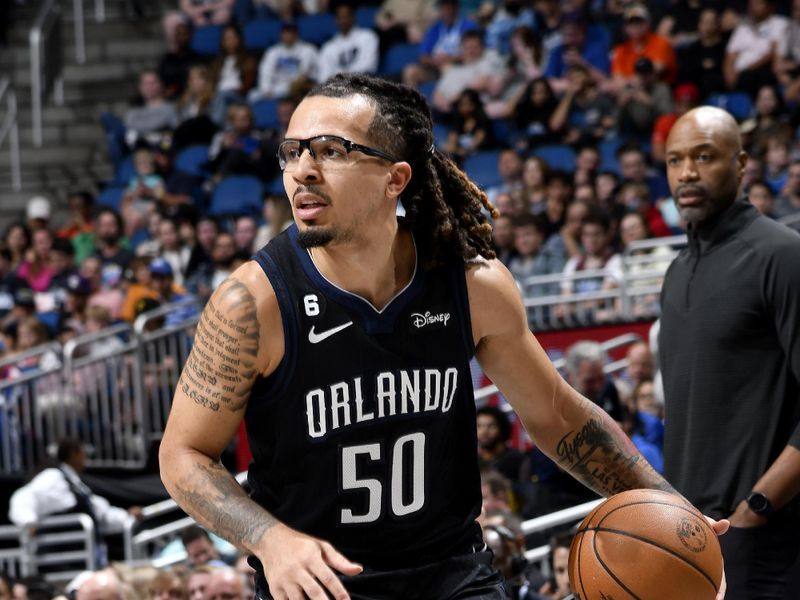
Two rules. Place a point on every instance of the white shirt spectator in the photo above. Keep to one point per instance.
(612, 268)
(282, 65)
(459, 77)
(229, 78)
(356, 52)
(751, 41)
(49, 493)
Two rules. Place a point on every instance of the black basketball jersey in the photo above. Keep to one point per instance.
(365, 433)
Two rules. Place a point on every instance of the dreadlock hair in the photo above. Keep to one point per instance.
(443, 208)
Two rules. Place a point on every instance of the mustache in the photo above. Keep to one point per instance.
(690, 188)
(311, 189)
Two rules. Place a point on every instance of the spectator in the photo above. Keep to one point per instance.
(645, 401)
(31, 333)
(686, 96)
(284, 63)
(754, 48)
(277, 217)
(441, 46)
(167, 585)
(207, 12)
(641, 366)
(471, 130)
(139, 287)
(106, 242)
(494, 451)
(476, 70)
(584, 366)
(577, 49)
(104, 283)
(635, 197)
(62, 264)
(403, 21)
(549, 16)
(162, 281)
(205, 233)
(788, 203)
(524, 64)
(532, 115)
(38, 213)
(237, 149)
(633, 167)
(701, 61)
(197, 583)
(559, 195)
(36, 269)
(352, 50)
(643, 99)
(534, 174)
(225, 584)
(565, 243)
(503, 238)
(769, 121)
(776, 163)
(504, 538)
(247, 573)
(101, 585)
(197, 97)
(173, 68)
(60, 489)
(510, 204)
(79, 289)
(509, 167)
(154, 117)
(583, 115)
(529, 260)
(172, 249)
(759, 194)
(144, 193)
(679, 24)
(9, 282)
(508, 16)
(244, 234)
(17, 239)
(200, 549)
(559, 586)
(496, 492)
(234, 72)
(223, 254)
(641, 42)
(97, 319)
(80, 206)
(587, 162)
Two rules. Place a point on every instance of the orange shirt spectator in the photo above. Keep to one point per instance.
(641, 42)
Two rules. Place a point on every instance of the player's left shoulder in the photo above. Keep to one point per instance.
(495, 302)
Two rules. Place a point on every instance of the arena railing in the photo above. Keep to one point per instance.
(79, 24)
(47, 62)
(60, 546)
(9, 128)
(14, 560)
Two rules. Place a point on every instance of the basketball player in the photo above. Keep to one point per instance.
(344, 345)
(730, 356)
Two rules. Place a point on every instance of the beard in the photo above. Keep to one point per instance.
(315, 237)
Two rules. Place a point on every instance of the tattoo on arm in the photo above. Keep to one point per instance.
(603, 458)
(222, 365)
(211, 494)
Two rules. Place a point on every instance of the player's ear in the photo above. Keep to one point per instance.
(399, 176)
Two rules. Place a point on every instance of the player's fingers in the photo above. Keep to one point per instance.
(338, 561)
(310, 588)
(330, 582)
(719, 527)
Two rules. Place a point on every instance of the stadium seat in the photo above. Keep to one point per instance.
(192, 160)
(206, 40)
(397, 57)
(608, 155)
(440, 133)
(738, 104)
(502, 130)
(316, 29)
(266, 113)
(482, 168)
(365, 16)
(426, 89)
(276, 187)
(261, 34)
(558, 156)
(125, 172)
(111, 196)
(237, 195)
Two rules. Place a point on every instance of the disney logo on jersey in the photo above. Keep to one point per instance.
(428, 319)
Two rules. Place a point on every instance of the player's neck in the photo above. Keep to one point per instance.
(375, 268)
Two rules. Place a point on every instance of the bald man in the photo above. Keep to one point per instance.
(225, 584)
(730, 354)
(101, 585)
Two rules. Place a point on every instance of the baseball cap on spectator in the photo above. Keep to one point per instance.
(38, 208)
(78, 284)
(160, 267)
(644, 66)
(23, 296)
(686, 91)
(636, 11)
(145, 305)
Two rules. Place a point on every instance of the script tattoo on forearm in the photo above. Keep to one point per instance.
(210, 494)
(604, 459)
(222, 364)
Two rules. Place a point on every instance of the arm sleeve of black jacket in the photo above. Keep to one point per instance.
(782, 290)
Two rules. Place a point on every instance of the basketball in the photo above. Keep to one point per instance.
(645, 544)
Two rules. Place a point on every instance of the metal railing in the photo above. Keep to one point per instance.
(79, 24)
(14, 560)
(47, 62)
(571, 515)
(9, 128)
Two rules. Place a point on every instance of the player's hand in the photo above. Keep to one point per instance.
(744, 518)
(720, 527)
(299, 566)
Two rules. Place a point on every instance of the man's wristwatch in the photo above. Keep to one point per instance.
(760, 504)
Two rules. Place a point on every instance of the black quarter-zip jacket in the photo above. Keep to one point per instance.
(729, 349)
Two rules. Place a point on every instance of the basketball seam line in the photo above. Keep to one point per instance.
(652, 543)
(607, 569)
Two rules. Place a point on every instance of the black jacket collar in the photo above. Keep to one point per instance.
(719, 228)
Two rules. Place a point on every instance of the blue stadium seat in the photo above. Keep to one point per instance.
(426, 89)
(482, 168)
(739, 104)
(608, 155)
(397, 57)
(237, 195)
(125, 172)
(316, 29)
(558, 156)
(503, 130)
(276, 187)
(365, 16)
(192, 160)
(206, 40)
(261, 34)
(266, 113)
(111, 196)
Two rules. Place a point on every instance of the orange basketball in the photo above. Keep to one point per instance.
(645, 544)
